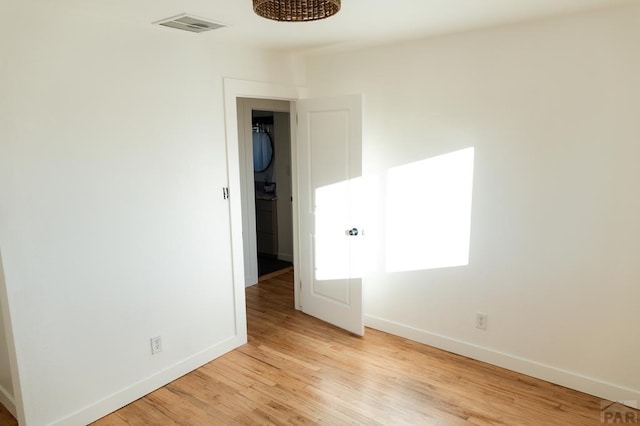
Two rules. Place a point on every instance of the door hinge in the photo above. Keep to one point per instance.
(225, 193)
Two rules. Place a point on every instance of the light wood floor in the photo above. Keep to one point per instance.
(6, 418)
(298, 370)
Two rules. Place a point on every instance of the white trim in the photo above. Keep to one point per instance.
(559, 376)
(139, 389)
(295, 205)
(8, 401)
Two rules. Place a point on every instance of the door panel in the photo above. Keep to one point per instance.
(330, 160)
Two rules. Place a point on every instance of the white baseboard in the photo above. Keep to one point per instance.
(287, 257)
(8, 401)
(121, 398)
(572, 380)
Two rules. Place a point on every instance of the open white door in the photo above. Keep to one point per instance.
(329, 165)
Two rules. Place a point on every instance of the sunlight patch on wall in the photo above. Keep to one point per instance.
(426, 220)
(340, 208)
(428, 213)
(331, 248)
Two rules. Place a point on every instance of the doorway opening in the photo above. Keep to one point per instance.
(264, 130)
(331, 117)
(271, 157)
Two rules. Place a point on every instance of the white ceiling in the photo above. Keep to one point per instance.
(359, 23)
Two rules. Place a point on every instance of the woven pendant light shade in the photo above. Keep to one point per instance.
(296, 10)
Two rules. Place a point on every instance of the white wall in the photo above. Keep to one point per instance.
(552, 111)
(113, 228)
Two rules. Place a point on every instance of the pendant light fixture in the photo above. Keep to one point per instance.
(296, 10)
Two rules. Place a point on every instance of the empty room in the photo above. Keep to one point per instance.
(325, 212)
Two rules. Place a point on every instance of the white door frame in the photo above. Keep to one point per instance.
(233, 89)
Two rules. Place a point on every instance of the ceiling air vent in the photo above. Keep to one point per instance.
(189, 23)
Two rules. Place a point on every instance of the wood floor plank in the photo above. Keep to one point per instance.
(6, 418)
(297, 370)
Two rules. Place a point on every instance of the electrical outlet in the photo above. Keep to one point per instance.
(481, 320)
(156, 345)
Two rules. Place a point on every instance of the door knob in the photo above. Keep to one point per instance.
(352, 232)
